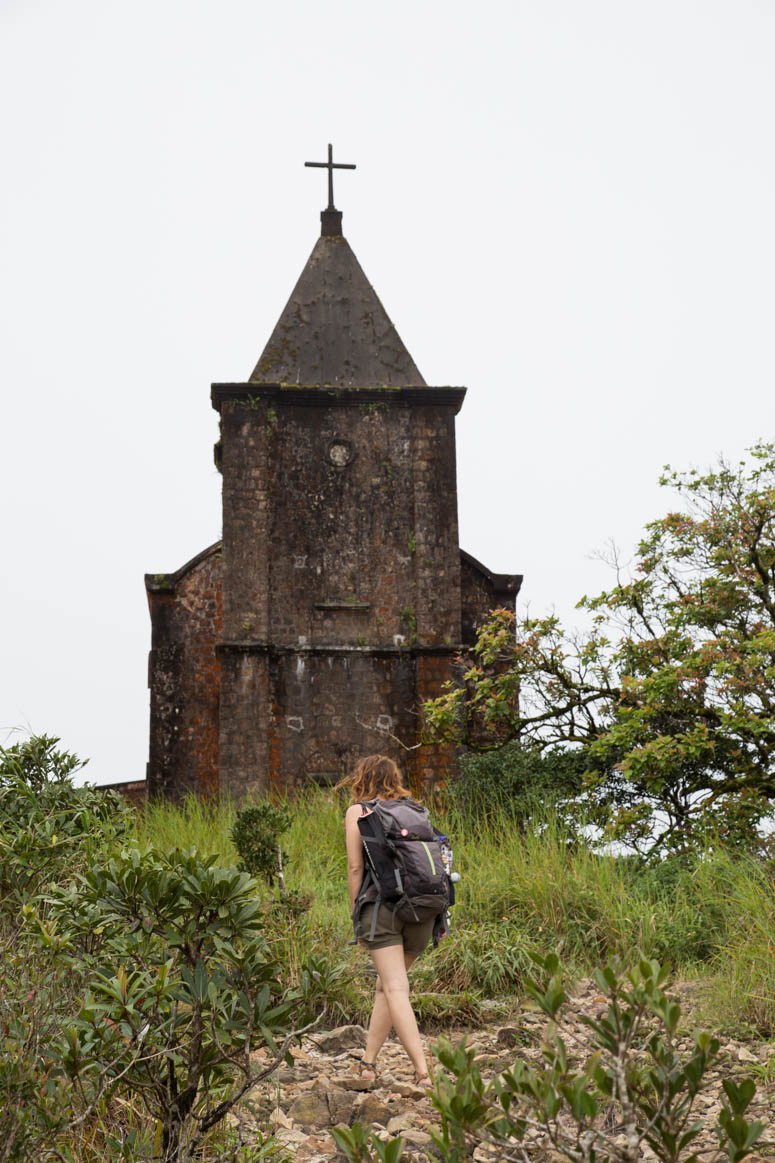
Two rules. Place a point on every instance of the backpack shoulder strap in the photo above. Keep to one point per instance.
(377, 828)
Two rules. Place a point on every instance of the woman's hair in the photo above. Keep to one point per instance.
(375, 778)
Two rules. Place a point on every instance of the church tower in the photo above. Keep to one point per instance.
(339, 597)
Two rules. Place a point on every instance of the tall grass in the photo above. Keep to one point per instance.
(523, 888)
(741, 990)
(558, 892)
(191, 823)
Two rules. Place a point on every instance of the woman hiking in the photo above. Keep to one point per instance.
(392, 943)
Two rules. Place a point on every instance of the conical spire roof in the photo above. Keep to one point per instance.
(334, 330)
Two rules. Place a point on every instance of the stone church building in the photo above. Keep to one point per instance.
(338, 598)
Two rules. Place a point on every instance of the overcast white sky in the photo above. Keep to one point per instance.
(566, 206)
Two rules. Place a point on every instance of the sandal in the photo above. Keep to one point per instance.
(423, 1081)
(367, 1070)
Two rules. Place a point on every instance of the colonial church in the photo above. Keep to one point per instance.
(339, 597)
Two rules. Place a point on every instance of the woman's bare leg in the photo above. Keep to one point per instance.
(381, 1021)
(391, 968)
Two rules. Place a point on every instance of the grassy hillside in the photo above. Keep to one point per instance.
(148, 984)
(712, 918)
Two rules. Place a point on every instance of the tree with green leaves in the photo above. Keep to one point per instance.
(670, 689)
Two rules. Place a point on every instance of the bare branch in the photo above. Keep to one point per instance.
(386, 733)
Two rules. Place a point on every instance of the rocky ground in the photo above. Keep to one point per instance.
(323, 1088)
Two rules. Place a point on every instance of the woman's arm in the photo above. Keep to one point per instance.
(354, 851)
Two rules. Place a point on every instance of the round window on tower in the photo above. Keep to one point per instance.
(340, 453)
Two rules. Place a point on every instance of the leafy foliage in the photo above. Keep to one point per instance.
(671, 691)
(360, 1145)
(182, 989)
(636, 1088)
(37, 996)
(517, 780)
(49, 827)
(134, 981)
(256, 835)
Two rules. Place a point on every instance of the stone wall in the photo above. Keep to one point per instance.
(341, 570)
(184, 677)
(436, 554)
(331, 707)
(333, 609)
(303, 712)
(134, 791)
(481, 592)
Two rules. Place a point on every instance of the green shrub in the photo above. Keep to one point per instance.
(49, 830)
(38, 996)
(636, 1088)
(182, 989)
(516, 780)
(256, 835)
(361, 1145)
(48, 827)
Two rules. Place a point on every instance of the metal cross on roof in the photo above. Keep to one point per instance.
(331, 165)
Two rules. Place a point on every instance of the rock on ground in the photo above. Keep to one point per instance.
(324, 1089)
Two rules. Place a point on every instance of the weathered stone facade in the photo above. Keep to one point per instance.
(339, 598)
(184, 676)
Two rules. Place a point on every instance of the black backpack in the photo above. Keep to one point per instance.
(404, 866)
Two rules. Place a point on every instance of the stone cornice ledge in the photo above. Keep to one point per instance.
(242, 647)
(326, 395)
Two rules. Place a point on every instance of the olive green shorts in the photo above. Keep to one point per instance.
(390, 930)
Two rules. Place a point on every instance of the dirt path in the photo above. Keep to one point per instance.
(323, 1089)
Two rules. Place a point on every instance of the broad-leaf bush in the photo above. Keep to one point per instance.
(38, 995)
(49, 829)
(136, 984)
(636, 1087)
(183, 989)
